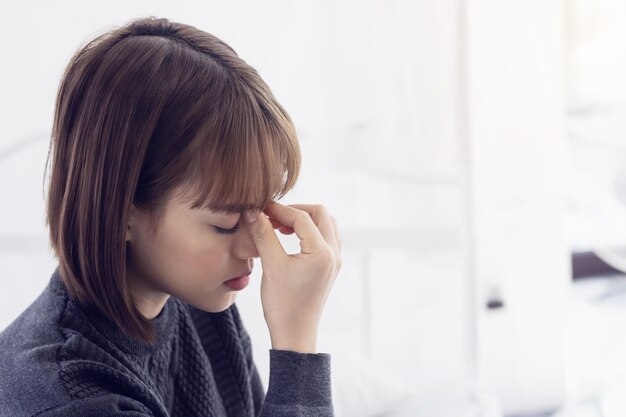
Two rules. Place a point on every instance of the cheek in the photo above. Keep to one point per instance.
(201, 268)
(199, 254)
(195, 265)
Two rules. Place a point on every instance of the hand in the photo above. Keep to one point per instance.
(294, 287)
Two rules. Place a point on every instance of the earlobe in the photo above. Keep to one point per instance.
(131, 220)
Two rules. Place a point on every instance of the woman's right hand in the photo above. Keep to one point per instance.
(294, 287)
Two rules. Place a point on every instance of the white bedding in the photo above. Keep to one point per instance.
(595, 349)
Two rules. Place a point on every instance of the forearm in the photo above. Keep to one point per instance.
(299, 385)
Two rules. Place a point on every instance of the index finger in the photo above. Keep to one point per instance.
(311, 240)
(322, 219)
(264, 238)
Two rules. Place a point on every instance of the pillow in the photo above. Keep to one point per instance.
(364, 388)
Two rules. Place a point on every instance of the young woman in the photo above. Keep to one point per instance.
(168, 155)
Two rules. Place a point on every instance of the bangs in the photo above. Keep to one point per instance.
(245, 155)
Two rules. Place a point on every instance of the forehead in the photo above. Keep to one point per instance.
(184, 201)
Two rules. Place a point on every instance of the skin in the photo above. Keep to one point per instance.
(294, 287)
(189, 259)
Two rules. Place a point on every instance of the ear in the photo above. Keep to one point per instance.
(132, 222)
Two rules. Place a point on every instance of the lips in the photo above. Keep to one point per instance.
(240, 282)
(242, 275)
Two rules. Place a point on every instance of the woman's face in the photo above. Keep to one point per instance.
(188, 258)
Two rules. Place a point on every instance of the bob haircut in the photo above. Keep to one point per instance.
(141, 110)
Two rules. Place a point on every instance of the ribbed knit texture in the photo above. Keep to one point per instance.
(64, 358)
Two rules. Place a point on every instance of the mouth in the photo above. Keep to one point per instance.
(243, 275)
(239, 283)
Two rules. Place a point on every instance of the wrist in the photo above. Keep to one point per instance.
(300, 343)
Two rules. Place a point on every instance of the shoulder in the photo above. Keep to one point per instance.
(28, 358)
(51, 367)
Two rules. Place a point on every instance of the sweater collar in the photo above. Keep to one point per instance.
(164, 322)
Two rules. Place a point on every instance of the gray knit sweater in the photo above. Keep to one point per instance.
(64, 358)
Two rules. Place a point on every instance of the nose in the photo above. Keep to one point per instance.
(244, 247)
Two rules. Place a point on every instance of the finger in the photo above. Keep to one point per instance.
(276, 224)
(311, 240)
(264, 237)
(286, 230)
(322, 219)
(336, 229)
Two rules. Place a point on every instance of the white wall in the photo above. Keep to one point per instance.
(407, 120)
(518, 167)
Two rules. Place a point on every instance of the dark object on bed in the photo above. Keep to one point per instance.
(588, 265)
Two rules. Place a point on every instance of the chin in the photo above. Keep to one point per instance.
(218, 305)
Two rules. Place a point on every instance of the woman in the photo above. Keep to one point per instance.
(168, 153)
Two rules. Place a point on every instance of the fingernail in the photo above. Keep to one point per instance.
(251, 215)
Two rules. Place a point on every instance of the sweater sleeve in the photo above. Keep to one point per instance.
(109, 405)
(299, 385)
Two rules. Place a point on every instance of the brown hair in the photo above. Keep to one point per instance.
(142, 109)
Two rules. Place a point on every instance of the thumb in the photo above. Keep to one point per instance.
(263, 236)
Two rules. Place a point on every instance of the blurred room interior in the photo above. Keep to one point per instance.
(474, 155)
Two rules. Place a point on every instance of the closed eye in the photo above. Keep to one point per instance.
(227, 231)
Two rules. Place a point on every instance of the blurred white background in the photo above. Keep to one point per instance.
(466, 149)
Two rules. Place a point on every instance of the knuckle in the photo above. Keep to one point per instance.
(321, 208)
(304, 216)
(327, 255)
(335, 260)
